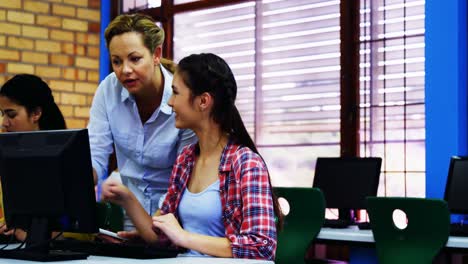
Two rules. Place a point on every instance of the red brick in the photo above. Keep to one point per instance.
(94, 4)
(94, 27)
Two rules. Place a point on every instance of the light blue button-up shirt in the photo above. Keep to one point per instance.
(145, 152)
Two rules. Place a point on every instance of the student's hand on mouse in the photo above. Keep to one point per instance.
(171, 227)
(115, 192)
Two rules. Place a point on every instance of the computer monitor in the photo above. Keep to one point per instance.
(346, 182)
(47, 185)
(456, 186)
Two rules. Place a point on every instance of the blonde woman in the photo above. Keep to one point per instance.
(130, 112)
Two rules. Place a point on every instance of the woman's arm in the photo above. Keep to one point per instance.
(213, 246)
(117, 193)
(256, 237)
(100, 135)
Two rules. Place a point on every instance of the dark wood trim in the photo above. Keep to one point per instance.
(258, 98)
(155, 13)
(349, 60)
(199, 5)
(115, 8)
(167, 13)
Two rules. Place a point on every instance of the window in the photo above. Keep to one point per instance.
(286, 59)
(292, 105)
(392, 93)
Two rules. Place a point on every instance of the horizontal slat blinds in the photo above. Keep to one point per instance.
(291, 108)
(392, 92)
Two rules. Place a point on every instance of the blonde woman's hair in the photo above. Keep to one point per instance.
(153, 36)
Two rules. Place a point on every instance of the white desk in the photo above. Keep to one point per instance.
(354, 234)
(113, 260)
(180, 260)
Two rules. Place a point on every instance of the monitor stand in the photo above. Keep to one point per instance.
(345, 219)
(37, 245)
(346, 215)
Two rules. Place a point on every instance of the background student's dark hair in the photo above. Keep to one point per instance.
(33, 93)
(207, 72)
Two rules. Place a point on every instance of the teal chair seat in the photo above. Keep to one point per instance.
(426, 233)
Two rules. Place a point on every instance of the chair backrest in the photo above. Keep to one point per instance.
(427, 230)
(301, 225)
(109, 216)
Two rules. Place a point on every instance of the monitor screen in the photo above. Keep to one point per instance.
(346, 182)
(457, 185)
(47, 183)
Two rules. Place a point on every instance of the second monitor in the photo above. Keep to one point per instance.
(346, 182)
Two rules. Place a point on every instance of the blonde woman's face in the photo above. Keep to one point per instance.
(15, 118)
(132, 62)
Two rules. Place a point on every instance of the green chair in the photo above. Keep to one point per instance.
(301, 225)
(427, 229)
(109, 216)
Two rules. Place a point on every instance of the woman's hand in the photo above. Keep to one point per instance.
(171, 227)
(115, 192)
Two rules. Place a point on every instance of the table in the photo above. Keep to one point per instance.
(114, 260)
(362, 242)
(179, 260)
(354, 234)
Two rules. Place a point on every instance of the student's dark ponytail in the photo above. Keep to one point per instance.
(207, 72)
(239, 132)
(34, 94)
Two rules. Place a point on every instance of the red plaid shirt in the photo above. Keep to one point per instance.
(246, 199)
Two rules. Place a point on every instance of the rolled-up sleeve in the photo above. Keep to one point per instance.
(100, 136)
(257, 235)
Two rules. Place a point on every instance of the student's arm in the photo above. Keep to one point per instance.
(256, 237)
(117, 193)
(213, 246)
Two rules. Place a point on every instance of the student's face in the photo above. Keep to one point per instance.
(16, 118)
(186, 115)
(132, 62)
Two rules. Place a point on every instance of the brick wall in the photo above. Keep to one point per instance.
(57, 40)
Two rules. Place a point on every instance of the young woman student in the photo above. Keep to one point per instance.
(220, 201)
(27, 104)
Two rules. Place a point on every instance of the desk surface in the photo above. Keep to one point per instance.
(354, 234)
(113, 260)
(179, 260)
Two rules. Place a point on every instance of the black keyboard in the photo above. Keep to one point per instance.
(336, 223)
(457, 229)
(120, 250)
(364, 226)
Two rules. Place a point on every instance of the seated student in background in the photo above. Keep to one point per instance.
(27, 104)
(220, 200)
(130, 111)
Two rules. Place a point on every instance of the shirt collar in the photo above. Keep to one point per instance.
(167, 92)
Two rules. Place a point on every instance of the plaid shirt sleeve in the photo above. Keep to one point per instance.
(257, 235)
